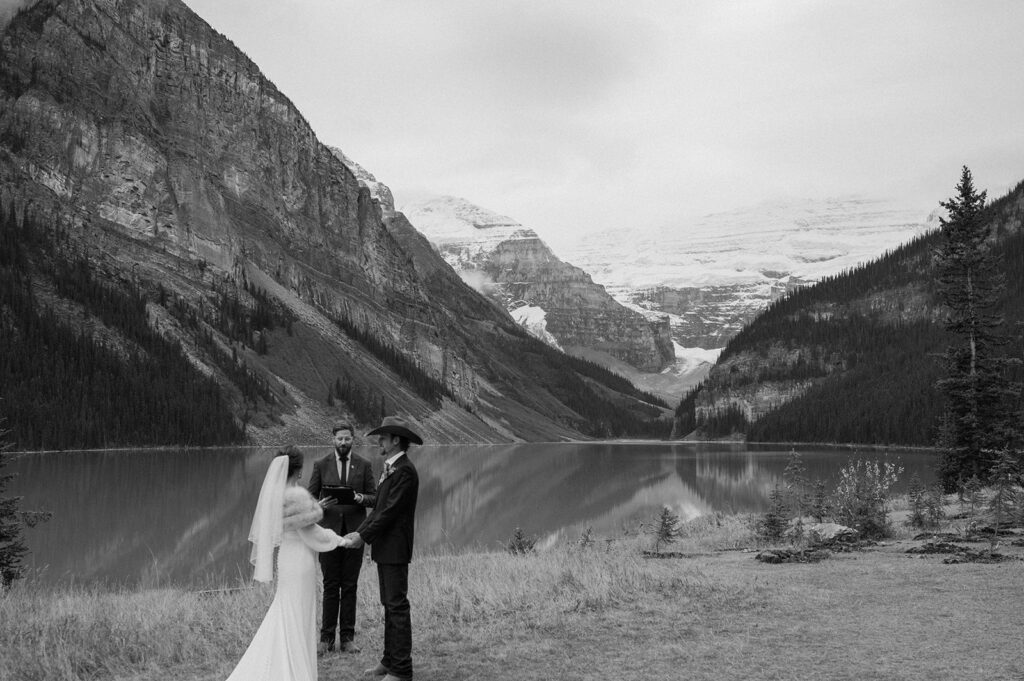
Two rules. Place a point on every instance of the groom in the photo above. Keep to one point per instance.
(389, 530)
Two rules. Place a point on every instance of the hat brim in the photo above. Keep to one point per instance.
(397, 430)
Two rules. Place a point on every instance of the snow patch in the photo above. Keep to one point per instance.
(534, 320)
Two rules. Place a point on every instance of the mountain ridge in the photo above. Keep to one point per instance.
(169, 162)
(854, 358)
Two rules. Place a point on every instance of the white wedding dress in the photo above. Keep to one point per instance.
(284, 647)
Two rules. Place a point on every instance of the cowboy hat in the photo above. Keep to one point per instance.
(396, 425)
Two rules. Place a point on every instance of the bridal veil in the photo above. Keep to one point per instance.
(267, 522)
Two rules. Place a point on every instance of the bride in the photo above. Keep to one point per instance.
(284, 647)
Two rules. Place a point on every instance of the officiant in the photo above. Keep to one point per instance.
(345, 485)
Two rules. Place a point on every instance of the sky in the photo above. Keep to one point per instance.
(578, 115)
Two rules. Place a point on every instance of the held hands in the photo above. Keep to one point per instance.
(351, 541)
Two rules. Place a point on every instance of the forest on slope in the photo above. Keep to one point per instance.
(864, 347)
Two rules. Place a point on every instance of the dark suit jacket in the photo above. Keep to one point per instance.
(344, 518)
(389, 528)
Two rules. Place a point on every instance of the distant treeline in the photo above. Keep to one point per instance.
(366, 403)
(62, 386)
(251, 383)
(423, 383)
(589, 390)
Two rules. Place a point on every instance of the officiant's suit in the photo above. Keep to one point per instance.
(341, 566)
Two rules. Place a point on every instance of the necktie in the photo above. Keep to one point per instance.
(343, 469)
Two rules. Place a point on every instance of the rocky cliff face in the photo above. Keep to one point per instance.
(170, 160)
(517, 270)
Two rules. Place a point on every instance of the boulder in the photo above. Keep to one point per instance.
(823, 533)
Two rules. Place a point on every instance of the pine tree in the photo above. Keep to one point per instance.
(797, 483)
(916, 500)
(934, 501)
(12, 522)
(665, 529)
(774, 523)
(1003, 504)
(979, 394)
(819, 507)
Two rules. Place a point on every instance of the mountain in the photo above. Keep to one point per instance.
(554, 300)
(168, 213)
(854, 358)
(715, 274)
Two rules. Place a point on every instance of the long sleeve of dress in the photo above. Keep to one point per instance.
(301, 513)
(318, 538)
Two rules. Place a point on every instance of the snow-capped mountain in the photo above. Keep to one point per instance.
(715, 274)
(462, 230)
(552, 299)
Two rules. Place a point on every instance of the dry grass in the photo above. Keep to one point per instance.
(595, 612)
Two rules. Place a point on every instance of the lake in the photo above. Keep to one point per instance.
(181, 517)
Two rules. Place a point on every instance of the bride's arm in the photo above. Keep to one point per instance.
(301, 513)
(318, 538)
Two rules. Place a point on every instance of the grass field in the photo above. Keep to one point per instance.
(571, 612)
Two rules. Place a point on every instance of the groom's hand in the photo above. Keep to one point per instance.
(354, 540)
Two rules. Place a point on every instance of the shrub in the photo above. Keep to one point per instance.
(862, 495)
(586, 539)
(519, 544)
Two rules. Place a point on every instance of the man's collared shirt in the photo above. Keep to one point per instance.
(343, 466)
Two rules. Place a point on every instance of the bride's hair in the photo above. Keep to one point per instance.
(295, 459)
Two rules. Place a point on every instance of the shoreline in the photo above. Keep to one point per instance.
(630, 442)
(709, 612)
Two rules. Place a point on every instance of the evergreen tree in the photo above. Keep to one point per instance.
(775, 521)
(797, 483)
(1003, 504)
(979, 394)
(916, 500)
(665, 529)
(934, 501)
(12, 522)
(819, 507)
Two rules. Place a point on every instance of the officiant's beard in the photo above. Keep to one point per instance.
(343, 450)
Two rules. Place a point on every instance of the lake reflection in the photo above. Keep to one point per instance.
(182, 517)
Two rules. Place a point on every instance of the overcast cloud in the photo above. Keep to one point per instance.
(577, 115)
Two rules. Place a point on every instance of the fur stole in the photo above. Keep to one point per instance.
(300, 509)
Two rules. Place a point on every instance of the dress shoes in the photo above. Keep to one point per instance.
(349, 646)
(324, 647)
(377, 672)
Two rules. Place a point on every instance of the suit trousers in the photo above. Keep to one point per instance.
(394, 591)
(341, 583)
